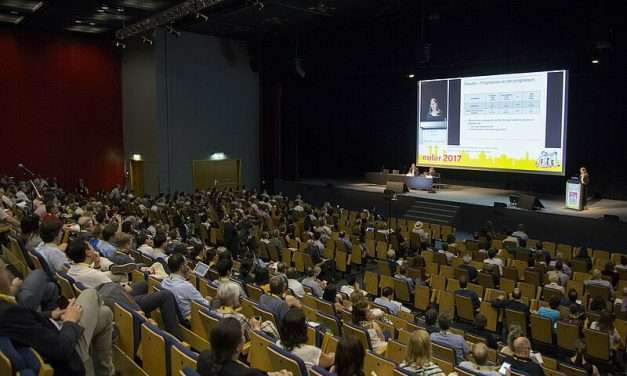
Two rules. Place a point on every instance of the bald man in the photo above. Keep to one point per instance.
(521, 361)
(480, 364)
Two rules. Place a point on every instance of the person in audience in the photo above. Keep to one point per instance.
(386, 300)
(392, 264)
(610, 272)
(623, 263)
(479, 329)
(565, 268)
(294, 284)
(184, 292)
(558, 273)
(311, 280)
(293, 331)
(597, 280)
(521, 233)
(278, 301)
(226, 346)
(552, 312)
(449, 251)
(598, 304)
(582, 255)
(448, 339)
(521, 360)
(159, 243)
(49, 249)
(472, 271)
(554, 283)
(30, 238)
(75, 340)
(510, 238)
(35, 291)
(246, 269)
(572, 300)
(579, 359)
(492, 259)
(363, 318)
(227, 303)
(493, 271)
(103, 245)
(465, 291)
(479, 364)
(262, 279)
(418, 356)
(515, 303)
(431, 321)
(349, 357)
(348, 246)
(422, 234)
(606, 324)
(145, 243)
(514, 332)
(330, 295)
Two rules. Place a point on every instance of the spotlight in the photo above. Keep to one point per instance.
(203, 16)
(104, 7)
(411, 75)
(120, 44)
(92, 24)
(172, 31)
(595, 61)
(147, 40)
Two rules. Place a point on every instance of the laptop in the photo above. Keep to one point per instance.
(201, 269)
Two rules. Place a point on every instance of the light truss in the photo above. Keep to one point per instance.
(168, 16)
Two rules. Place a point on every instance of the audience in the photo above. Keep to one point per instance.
(479, 364)
(386, 300)
(363, 318)
(349, 357)
(464, 291)
(311, 280)
(184, 292)
(278, 302)
(448, 339)
(293, 331)
(552, 312)
(521, 359)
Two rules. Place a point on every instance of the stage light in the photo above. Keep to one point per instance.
(101, 10)
(595, 61)
(120, 44)
(78, 21)
(147, 40)
(203, 16)
(136, 157)
(104, 7)
(92, 24)
(217, 157)
(411, 75)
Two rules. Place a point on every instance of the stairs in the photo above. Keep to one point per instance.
(432, 211)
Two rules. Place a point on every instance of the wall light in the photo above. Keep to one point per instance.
(136, 157)
(411, 75)
(217, 157)
(595, 61)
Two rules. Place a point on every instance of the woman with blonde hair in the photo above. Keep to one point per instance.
(418, 355)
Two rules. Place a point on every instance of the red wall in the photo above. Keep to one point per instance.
(61, 108)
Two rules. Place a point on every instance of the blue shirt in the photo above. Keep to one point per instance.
(105, 249)
(184, 292)
(552, 314)
(392, 306)
(55, 258)
(274, 304)
(454, 341)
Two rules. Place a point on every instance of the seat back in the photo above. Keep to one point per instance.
(65, 283)
(383, 268)
(401, 290)
(548, 293)
(396, 351)
(330, 321)
(602, 291)
(446, 300)
(597, 344)
(180, 358)
(571, 370)
(129, 324)
(325, 307)
(485, 280)
(258, 356)
(567, 336)
(285, 360)
(265, 315)
(541, 329)
(465, 310)
(377, 365)
(156, 350)
(350, 330)
(341, 261)
(209, 320)
(422, 297)
(356, 256)
(253, 292)
(444, 357)
(371, 282)
(516, 317)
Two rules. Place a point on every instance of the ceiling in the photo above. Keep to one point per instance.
(242, 19)
(84, 16)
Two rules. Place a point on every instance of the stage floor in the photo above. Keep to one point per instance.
(488, 196)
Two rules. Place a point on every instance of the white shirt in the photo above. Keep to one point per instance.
(88, 276)
(296, 287)
(309, 354)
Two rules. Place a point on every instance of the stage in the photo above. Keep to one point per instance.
(468, 208)
(488, 196)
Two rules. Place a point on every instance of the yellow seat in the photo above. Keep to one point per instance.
(282, 362)
(258, 356)
(181, 358)
(541, 329)
(377, 365)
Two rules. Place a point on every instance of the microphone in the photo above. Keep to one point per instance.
(20, 165)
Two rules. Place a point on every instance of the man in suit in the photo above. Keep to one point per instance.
(515, 303)
(464, 291)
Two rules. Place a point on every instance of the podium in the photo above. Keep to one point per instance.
(574, 191)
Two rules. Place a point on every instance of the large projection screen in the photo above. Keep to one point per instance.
(508, 122)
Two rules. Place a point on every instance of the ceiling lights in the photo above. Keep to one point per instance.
(11, 18)
(22, 5)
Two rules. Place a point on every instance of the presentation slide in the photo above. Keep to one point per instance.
(509, 122)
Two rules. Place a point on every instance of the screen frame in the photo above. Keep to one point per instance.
(532, 172)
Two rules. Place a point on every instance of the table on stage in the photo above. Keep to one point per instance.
(412, 182)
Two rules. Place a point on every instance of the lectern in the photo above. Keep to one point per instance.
(574, 190)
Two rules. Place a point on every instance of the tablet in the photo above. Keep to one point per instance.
(201, 269)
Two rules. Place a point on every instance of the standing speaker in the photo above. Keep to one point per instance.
(396, 186)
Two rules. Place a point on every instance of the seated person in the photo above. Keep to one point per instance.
(465, 291)
(478, 329)
(492, 259)
(552, 312)
(514, 332)
(262, 279)
(431, 321)
(386, 300)
(35, 291)
(294, 284)
(111, 292)
(521, 360)
(74, 340)
(480, 364)
(226, 346)
(363, 318)
(348, 246)
(278, 301)
(311, 280)
(402, 275)
(579, 359)
(418, 356)
(50, 250)
(606, 324)
(294, 339)
(562, 278)
(448, 339)
(597, 280)
(472, 271)
(226, 304)
(554, 283)
(330, 295)
(184, 292)
(515, 303)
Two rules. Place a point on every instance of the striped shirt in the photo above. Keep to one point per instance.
(428, 369)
